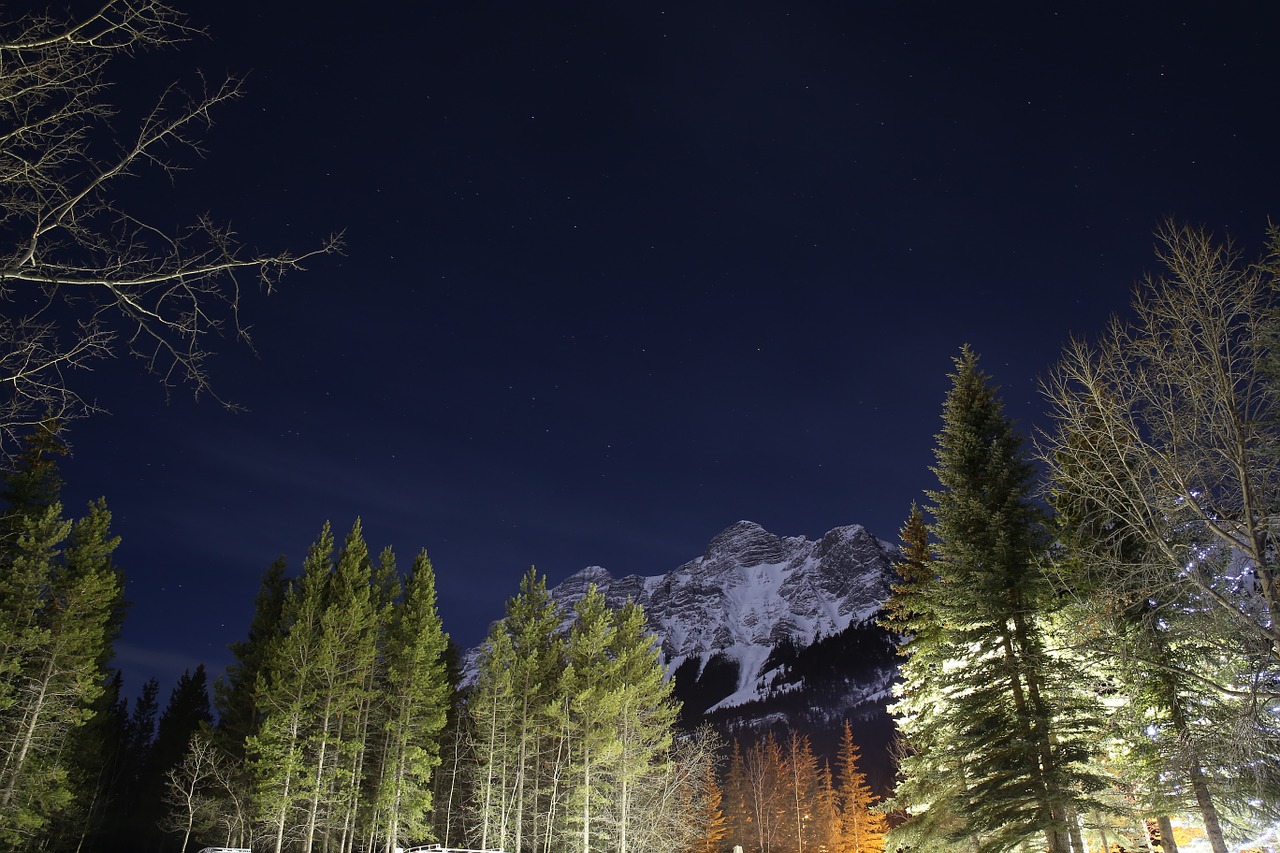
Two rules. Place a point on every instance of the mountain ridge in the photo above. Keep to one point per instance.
(751, 593)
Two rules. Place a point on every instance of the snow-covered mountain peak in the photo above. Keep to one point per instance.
(745, 544)
(750, 591)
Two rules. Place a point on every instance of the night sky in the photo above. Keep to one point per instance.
(619, 275)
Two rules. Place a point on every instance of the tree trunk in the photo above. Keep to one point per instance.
(26, 737)
(1195, 774)
(1167, 842)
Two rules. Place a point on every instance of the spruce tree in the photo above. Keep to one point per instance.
(737, 798)
(931, 777)
(709, 817)
(1018, 762)
(238, 716)
(862, 826)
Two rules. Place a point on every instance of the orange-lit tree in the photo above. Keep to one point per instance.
(862, 828)
(711, 818)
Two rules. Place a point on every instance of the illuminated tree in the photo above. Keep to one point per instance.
(191, 797)
(801, 786)
(709, 816)
(1164, 464)
(80, 273)
(533, 619)
(61, 605)
(572, 737)
(287, 696)
(186, 714)
(932, 779)
(1007, 750)
(645, 721)
(590, 684)
(1170, 422)
(758, 784)
(737, 798)
(862, 828)
(519, 719)
(417, 694)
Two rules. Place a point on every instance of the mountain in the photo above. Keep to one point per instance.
(763, 630)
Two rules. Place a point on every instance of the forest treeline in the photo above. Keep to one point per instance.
(341, 724)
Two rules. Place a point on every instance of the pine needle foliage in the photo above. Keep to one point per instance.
(1002, 756)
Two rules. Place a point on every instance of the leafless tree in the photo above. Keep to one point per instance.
(1170, 427)
(81, 275)
(190, 794)
(1167, 452)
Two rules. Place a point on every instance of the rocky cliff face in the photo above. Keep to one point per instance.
(735, 623)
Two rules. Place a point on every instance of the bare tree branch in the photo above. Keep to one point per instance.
(80, 275)
(1168, 428)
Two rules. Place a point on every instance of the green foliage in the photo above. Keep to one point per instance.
(417, 694)
(238, 716)
(350, 694)
(997, 743)
(60, 603)
(572, 737)
(1166, 482)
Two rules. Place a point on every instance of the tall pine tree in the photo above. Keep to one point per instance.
(862, 827)
(61, 604)
(1016, 760)
(417, 694)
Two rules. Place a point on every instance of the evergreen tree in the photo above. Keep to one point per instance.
(238, 715)
(492, 708)
(187, 713)
(931, 776)
(286, 694)
(572, 739)
(345, 653)
(713, 826)
(33, 484)
(59, 599)
(448, 782)
(140, 739)
(98, 753)
(646, 717)
(737, 799)
(862, 826)
(826, 812)
(533, 620)
(590, 682)
(417, 698)
(1018, 767)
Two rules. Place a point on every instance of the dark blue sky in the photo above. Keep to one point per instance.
(618, 276)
